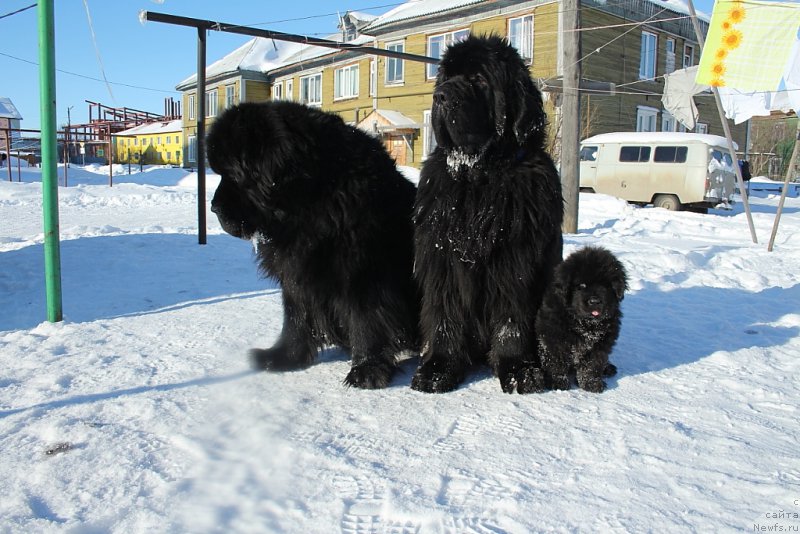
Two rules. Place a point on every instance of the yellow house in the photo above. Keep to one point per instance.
(154, 143)
(392, 97)
(238, 77)
(628, 50)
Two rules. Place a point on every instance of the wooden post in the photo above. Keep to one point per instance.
(8, 154)
(571, 116)
(110, 159)
(785, 190)
(727, 129)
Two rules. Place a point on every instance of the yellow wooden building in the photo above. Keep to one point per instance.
(154, 143)
(627, 48)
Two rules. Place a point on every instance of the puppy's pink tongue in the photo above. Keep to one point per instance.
(595, 313)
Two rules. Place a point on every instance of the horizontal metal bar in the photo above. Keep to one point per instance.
(279, 36)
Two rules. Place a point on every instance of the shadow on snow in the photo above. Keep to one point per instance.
(114, 276)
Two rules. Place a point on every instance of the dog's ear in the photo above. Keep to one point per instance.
(620, 283)
(500, 116)
(529, 116)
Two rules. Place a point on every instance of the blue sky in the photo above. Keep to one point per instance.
(143, 63)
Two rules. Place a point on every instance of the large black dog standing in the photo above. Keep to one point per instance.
(333, 215)
(487, 220)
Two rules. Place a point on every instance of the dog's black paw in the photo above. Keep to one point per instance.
(522, 380)
(610, 370)
(276, 359)
(592, 385)
(436, 376)
(530, 380)
(370, 375)
(560, 382)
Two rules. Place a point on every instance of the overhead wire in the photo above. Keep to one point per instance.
(18, 11)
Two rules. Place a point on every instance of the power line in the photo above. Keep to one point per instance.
(18, 11)
(90, 77)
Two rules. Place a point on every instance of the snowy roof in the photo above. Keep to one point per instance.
(153, 128)
(360, 15)
(417, 8)
(307, 52)
(257, 55)
(385, 119)
(421, 8)
(657, 137)
(8, 110)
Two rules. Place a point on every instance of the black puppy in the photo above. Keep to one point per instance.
(579, 321)
(333, 217)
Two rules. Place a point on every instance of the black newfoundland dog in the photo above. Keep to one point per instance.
(487, 220)
(579, 321)
(332, 216)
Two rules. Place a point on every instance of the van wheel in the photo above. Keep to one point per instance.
(668, 202)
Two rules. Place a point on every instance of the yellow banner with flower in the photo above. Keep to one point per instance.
(748, 44)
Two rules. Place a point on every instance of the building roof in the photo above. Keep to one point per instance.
(161, 127)
(422, 8)
(8, 110)
(417, 8)
(256, 55)
(382, 120)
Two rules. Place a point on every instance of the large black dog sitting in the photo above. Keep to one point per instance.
(333, 215)
(487, 220)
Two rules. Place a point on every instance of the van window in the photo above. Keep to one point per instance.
(722, 156)
(634, 153)
(589, 153)
(670, 154)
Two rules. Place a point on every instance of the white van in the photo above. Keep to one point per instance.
(670, 170)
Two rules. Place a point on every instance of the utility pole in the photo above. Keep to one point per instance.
(47, 103)
(570, 114)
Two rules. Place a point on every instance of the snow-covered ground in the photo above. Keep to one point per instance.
(138, 413)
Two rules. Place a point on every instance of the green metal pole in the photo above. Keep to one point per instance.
(47, 99)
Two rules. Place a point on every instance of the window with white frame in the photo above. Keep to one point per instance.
(211, 103)
(230, 96)
(394, 66)
(647, 60)
(701, 128)
(668, 122)
(311, 90)
(688, 56)
(437, 44)
(428, 139)
(289, 95)
(646, 119)
(520, 35)
(345, 82)
(669, 64)
(192, 108)
(277, 91)
(192, 148)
